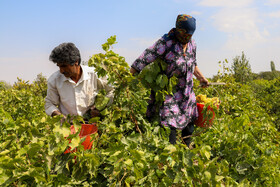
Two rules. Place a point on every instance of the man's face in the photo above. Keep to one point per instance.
(68, 70)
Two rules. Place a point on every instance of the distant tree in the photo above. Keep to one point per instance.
(266, 75)
(254, 76)
(272, 66)
(5, 85)
(40, 85)
(241, 69)
(273, 70)
(21, 84)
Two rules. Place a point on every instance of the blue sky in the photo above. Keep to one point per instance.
(31, 29)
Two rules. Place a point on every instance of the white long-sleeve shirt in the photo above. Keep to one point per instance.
(68, 97)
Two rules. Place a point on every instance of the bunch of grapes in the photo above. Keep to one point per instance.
(202, 99)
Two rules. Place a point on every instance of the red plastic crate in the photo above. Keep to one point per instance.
(86, 131)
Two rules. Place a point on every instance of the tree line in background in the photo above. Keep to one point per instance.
(241, 70)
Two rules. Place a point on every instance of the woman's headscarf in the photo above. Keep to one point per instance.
(186, 24)
(185, 27)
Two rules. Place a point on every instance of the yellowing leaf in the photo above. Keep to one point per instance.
(128, 162)
(207, 175)
(205, 151)
(219, 178)
(2, 153)
(75, 142)
(43, 120)
(170, 148)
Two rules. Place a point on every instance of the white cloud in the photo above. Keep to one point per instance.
(240, 42)
(226, 3)
(266, 32)
(272, 2)
(274, 14)
(236, 20)
(241, 26)
(195, 13)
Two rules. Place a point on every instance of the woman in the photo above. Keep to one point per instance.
(178, 50)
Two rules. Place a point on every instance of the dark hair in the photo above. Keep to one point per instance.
(65, 53)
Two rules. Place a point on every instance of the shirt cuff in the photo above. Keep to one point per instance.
(50, 110)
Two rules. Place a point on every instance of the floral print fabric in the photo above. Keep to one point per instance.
(179, 109)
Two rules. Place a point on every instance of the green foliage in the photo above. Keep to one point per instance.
(268, 93)
(240, 149)
(224, 74)
(153, 77)
(245, 134)
(241, 69)
(101, 101)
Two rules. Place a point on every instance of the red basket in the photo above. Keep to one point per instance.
(86, 131)
(201, 122)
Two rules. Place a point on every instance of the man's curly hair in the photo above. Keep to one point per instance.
(65, 53)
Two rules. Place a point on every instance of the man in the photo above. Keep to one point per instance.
(73, 89)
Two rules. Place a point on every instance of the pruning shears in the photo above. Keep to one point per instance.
(213, 84)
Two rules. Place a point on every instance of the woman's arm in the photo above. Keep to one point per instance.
(203, 81)
(149, 55)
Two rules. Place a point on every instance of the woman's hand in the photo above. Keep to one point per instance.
(203, 81)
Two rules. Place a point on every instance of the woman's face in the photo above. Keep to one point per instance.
(182, 36)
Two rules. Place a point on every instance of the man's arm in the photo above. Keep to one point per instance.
(203, 81)
(52, 101)
(158, 49)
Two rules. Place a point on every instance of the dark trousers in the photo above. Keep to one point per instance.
(188, 130)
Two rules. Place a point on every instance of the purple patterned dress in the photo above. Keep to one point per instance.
(180, 109)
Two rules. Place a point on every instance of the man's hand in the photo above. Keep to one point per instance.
(94, 112)
(57, 113)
